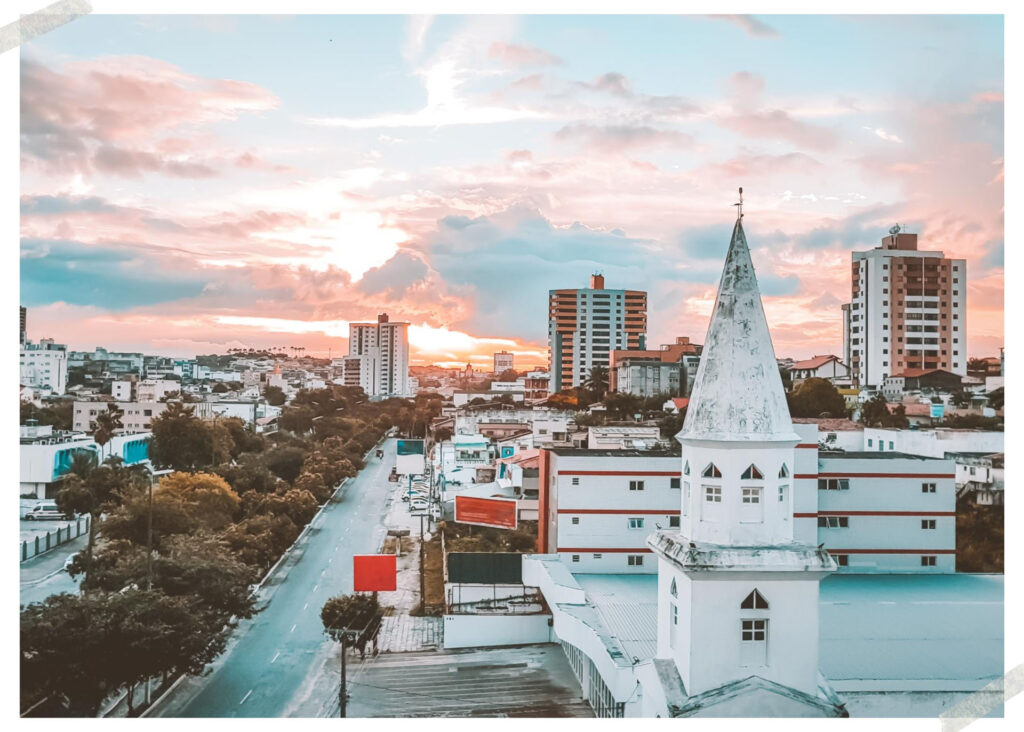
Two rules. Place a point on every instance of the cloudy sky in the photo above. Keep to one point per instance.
(192, 184)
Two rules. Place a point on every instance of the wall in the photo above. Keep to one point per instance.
(475, 631)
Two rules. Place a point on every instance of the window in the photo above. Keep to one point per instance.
(754, 601)
(675, 614)
(890, 444)
(783, 471)
(575, 481)
(673, 522)
(597, 556)
(870, 442)
(686, 468)
(636, 485)
(753, 645)
(636, 523)
(833, 484)
(575, 520)
(752, 473)
(843, 560)
(673, 483)
(928, 560)
(711, 471)
(927, 523)
(833, 522)
(575, 557)
(712, 494)
(635, 560)
(751, 495)
(927, 487)
(672, 589)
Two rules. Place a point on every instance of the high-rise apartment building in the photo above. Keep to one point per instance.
(24, 319)
(383, 352)
(585, 325)
(504, 361)
(44, 365)
(908, 310)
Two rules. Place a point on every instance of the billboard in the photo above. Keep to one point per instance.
(488, 568)
(937, 410)
(498, 512)
(507, 451)
(374, 572)
(410, 460)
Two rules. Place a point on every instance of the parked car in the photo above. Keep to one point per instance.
(46, 512)
(418, 504)
(415, 496)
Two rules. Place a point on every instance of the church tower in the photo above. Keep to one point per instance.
(737, 597)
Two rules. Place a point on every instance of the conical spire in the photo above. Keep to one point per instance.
(737, 394)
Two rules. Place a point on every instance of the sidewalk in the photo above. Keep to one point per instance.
(38, 568)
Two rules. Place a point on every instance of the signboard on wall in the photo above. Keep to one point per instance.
(410, 460)
(937, 410)
(374, 573)
(498, 512)
(507, 451)
(488, 568)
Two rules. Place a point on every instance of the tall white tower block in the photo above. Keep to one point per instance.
(737, 597)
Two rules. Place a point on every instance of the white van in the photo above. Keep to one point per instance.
(46, 511)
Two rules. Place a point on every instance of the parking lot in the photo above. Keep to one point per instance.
(31, 529)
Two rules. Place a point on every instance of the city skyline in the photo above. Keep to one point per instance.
(221, 198)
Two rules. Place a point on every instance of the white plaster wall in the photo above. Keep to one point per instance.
(475, 631)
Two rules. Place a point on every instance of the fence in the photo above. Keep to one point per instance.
(53, 539)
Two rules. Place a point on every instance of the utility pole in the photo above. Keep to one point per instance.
(423, 597)
(343, 692)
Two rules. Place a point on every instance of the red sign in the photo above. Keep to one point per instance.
(374, 572)
(499, 512)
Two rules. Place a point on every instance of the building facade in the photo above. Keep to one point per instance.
(383, 352)
(907, 310)
(503, 361)
(586, 325)
(645, 373)
(44, 365)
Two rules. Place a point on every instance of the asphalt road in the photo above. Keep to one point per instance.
(44, 575)
(273, 661)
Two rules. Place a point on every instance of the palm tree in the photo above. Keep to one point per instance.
(106, 425)
(82, 463)
(597, 382)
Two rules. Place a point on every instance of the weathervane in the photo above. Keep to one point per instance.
(739, 206)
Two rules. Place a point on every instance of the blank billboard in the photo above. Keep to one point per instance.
(410, 460)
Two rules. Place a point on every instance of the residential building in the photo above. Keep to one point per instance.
(383, 352)
(586, 325)
(597, 506)
(44, 365)
(907, 310)
(153, 390)
(624, 437)
(136, 416)
(819, 367)
(646, 373)
(504, 361)
(535, 385)
(920, 380)
(124, 390)
(24, 323)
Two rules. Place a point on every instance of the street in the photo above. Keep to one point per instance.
(274, 661)
(44, 575)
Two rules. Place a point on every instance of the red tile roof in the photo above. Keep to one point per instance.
(680, 402)
(813, 363)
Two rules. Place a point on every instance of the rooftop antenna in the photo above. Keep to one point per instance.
(739, 206)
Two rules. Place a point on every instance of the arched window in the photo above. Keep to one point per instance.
(672, 590)
(686, 468)
(712, 471)
(752, 473)
(754, 601)
(783, 471)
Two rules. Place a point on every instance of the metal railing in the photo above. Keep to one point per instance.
(43, 543)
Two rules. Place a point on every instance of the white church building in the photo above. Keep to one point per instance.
(742, 620)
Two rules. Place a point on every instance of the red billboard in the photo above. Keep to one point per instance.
(374, 572)
(498, 512)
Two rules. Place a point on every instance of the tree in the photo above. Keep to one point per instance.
(106, 425)
(359, 614)
(207, 496)
(961, 398)
(297, 419)
(180, 439)
(274, 395)
(816, 397)
(995, 398)
(596, 382)
(875, 413)
(82, 648)
(285, 462)
(507, 375)
(442, 433)
(58, 413)
(260, 540)
(220, 388)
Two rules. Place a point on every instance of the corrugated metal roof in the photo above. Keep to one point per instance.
(628, 607)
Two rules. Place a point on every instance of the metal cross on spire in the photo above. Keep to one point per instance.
(739, 206)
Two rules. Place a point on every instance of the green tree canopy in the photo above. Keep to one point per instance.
(816, 397)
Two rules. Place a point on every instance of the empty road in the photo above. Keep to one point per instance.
(273, 661)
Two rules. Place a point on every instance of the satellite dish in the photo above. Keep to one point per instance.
(894, 230)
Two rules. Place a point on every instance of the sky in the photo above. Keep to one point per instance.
(191, 184)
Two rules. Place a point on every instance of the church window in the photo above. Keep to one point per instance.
(635, 560)
(752, 473)
(636, 485)
(673, 522)
(712, 471)
(783, 490)
(712, 494)
(754, 642)
(673, 483)
(750, 506)
(783, 471)
(754, 601)
(928, 561)
(636, 523)
(672, 590)
(686, 468)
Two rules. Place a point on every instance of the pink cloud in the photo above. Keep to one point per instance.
(511, 54)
